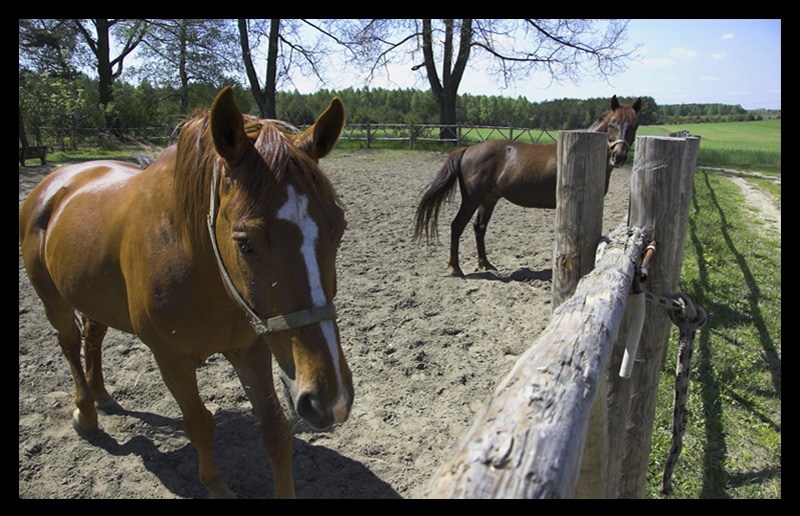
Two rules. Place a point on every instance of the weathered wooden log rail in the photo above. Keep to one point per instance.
(563, 423)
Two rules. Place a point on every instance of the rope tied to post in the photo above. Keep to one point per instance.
(689, 318)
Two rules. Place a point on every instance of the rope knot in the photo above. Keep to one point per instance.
(689, 316)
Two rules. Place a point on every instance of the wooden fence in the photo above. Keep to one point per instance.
(369, 133)
(457, 134)
(564, 423)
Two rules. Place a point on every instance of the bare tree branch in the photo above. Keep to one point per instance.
(563, 49)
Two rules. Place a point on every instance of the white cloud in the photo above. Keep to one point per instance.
(729, 35)
(683, 53)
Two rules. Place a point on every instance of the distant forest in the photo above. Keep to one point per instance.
(73, 104)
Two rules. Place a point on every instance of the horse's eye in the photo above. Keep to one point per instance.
(244, 245)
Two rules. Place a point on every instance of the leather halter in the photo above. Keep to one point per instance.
(260, 326)
(627, 147)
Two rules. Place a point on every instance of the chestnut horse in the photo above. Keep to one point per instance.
(523, 173)
(225, 244)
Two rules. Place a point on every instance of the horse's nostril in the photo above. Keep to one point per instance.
(312, 410)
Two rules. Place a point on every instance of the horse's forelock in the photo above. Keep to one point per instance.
(275, 156)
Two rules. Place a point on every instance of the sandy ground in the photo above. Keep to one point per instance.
(425, 350)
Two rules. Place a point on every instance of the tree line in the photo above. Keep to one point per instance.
(71, 70)
(72, 104)
(267, 53)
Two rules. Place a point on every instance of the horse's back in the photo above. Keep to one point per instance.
(522, 173)
(62, 182)
(52, 197)
(66, 229)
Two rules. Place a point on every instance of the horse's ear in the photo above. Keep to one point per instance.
(319, 139)
(614, 103)
(637, 105)
(227, 127)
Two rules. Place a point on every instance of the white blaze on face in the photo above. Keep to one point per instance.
(296, 211)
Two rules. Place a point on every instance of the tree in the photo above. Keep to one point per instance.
(178, 53)
(48, 46)
(99, 41)
(287, 49)
(508, 49)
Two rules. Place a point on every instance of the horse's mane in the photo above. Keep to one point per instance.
(275, 157)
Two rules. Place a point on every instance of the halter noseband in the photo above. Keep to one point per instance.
(627, 147)
(261, 326)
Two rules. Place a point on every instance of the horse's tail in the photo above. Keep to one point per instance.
(438, 191)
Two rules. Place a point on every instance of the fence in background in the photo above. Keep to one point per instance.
(369, 133)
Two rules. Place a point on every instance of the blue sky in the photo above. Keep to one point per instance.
(683, 61)
(678, 62)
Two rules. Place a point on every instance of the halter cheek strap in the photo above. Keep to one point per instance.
(260, 326)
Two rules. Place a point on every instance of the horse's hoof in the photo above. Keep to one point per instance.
(456, 272)
(109, 406)
(83, 430)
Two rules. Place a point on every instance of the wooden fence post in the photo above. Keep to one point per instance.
(686, 187)
(654, 207)
(580, 187)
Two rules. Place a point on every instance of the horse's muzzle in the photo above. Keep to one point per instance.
(314, 409)
(319, 415)
(619, 153)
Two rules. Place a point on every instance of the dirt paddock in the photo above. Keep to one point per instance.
(425, 350)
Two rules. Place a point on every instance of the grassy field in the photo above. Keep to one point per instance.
(732, 268)
(749, 146)
(732, 446)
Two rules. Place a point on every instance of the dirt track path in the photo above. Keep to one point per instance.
(760, 200)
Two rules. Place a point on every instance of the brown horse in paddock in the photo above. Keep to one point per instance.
(523, 173)
(225, 244)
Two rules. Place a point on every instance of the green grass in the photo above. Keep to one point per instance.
(749, 146)
(87, 154)
(732, 446)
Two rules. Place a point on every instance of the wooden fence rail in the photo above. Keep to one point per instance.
(369, 133)
(564, 423)
(527, 440)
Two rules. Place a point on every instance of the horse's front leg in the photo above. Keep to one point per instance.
(180, 377)
(254, 368)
